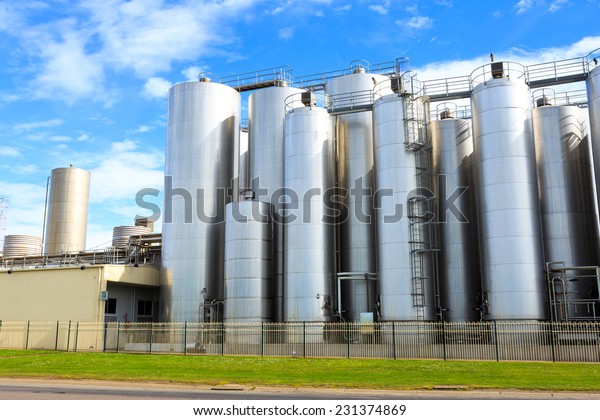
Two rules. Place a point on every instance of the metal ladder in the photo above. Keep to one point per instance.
(419, 205)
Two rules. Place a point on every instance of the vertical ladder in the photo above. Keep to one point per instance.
(420, 204)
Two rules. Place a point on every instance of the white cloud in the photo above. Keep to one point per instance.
(60, 139)
(27, 200)
(523, 6)
(445, 3)
(378, 8)
(557, 5)
(344, 8)
(141, 129)
(156, 87)
(286, 33)
(55, 122)
(7, 151)
(192, 73)
(416, 22)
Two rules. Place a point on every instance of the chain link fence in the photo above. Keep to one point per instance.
(499, 341)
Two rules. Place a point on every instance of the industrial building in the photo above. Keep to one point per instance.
(365, 195)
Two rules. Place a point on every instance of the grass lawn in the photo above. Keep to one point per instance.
(298, 372)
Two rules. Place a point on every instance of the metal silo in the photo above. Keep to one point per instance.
(21, 246)
(67, 210)
(404, 259)
(121, 234)
(202, 130)
(309, 264)
(459, 278)
(593, 97)
(568, 205)
(512, 262)
(354, 136)
(266, 114)
(248, 262)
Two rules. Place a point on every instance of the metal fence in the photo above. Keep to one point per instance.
(499, 341)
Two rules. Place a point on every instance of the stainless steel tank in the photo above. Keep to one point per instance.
(121, 234)
(567, 197)
(21, 246)
(266, 114)
(67, 210)
(354, 137)
(248, 262)
(202, 130)
(458, 268)
(404, 267)
(512, 261)
(309, 264)
(593, 97)
(243, 182)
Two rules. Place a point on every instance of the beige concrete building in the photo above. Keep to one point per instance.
(86, 293)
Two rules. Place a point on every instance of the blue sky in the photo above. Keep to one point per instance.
(85, 82)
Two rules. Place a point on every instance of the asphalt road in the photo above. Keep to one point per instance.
(34, 389)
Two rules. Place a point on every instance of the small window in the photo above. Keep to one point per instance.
(144, 308)
(111, 306)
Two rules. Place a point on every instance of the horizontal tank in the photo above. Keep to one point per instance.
(354, 135)
(202, 129)
(21, 246)
(309, 264)
(404, 260)
(67, 210)
(248, 262)
(458, 268)
(266, 115)
(512, 262)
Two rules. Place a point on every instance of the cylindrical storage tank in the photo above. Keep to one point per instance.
(404, 270)
(354, 136)
(21, 246)
(121, 234)
(248, 262)
(567, 196)
(243, 182)
(309, 264)
(67, 210)
(266, 115)
(458, 268)
(593, 97)
(202, 130)
(512, 263)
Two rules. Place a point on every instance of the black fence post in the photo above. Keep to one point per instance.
(552, 341)
(394, 339)
(444, 339)
(185, 337)
(304, 339)
(118, 333)
(104, 341)
(27, 337)
(496, 341)
(56, 340)
(76, 335)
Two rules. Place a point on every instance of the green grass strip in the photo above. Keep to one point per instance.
(299, 372)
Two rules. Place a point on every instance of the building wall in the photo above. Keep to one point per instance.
(51, 294)
(70, 293)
